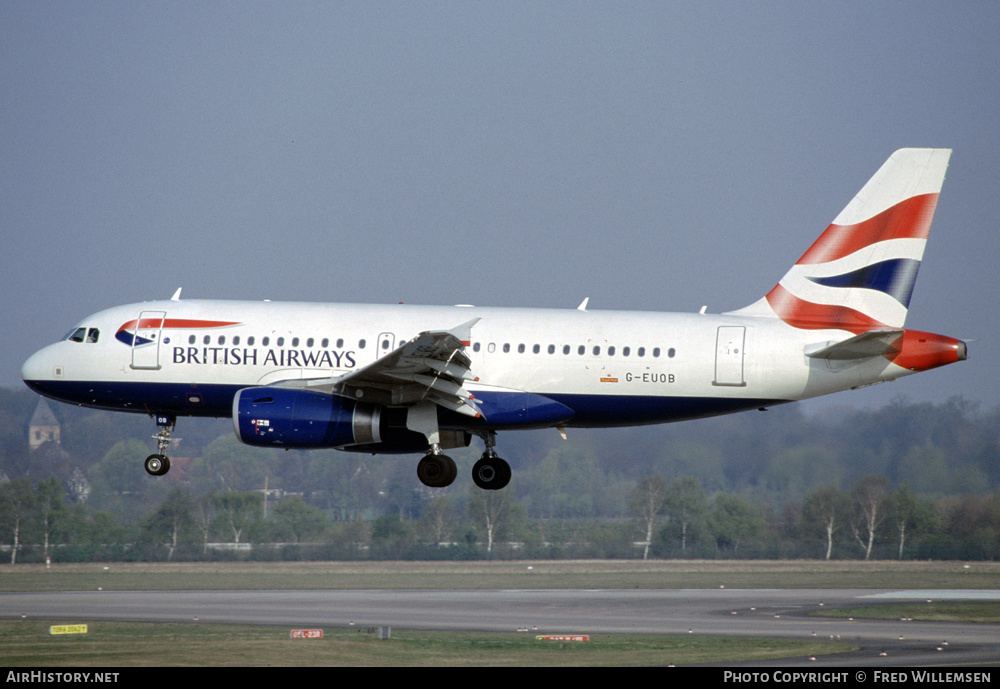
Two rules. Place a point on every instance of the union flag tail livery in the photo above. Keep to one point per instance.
(423, 379)
(860, 273)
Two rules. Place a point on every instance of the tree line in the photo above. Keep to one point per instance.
(677, 519)
(910, 480)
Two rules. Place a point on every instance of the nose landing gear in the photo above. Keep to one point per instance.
(158, 464)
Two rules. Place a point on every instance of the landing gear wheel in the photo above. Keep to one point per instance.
(491, 473)
(157, 465)
(436, 471)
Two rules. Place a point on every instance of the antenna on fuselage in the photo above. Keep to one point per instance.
(177, 295)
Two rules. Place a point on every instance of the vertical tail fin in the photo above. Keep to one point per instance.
(860, 273)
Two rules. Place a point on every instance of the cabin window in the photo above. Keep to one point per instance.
(626, 351)
(192, 339)
(281, 342)
(641, 351)
(520, 349)
(250, 341)
(295, 342)
(340, 343)
(581, 350)
(565, 349)
(325, 343)
(222, 339)
(506, 347)
(552, 349)
(361, 344)
(611, 351)
(236, 340)
(266, 341)
(671, 352)
(309, 342)
(656, 351)
(475, 347)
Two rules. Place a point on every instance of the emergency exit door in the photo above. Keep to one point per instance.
(729, 355)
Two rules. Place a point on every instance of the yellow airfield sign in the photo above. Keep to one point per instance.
(68, 629)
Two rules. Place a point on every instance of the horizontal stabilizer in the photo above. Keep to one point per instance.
(863, 346)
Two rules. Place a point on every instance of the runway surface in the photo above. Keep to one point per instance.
(730, 612)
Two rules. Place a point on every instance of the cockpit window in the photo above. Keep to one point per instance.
(88, 335)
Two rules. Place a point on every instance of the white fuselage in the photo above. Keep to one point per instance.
(189, 358)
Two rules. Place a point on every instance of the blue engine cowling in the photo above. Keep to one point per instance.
(284, 417)
(303, 419)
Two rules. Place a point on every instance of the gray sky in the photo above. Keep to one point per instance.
(650, 156)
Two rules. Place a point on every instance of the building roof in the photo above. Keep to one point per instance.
(43, 415)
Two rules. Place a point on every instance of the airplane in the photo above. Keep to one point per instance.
(425, 379)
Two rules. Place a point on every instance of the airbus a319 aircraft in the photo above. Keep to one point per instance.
(421, 379)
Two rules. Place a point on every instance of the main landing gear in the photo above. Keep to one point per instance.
(437, 470)
(158, 464)
(490, 472)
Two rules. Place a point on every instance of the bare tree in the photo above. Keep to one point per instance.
(646, 503)
(869, 497)
(50, 506)
(686, 502)
(239, 511)
(909, 513)
(495, 508)
(17, 499)
(824, 508)
(438, 518)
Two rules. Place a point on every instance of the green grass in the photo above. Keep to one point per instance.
(940, 611)
(27, 643)
(111, 644)
(543, 574)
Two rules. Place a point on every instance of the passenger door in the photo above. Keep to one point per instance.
(146, 341)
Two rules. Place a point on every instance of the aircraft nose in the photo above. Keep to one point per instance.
(38, 368)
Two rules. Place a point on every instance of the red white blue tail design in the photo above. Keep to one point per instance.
(859, 274)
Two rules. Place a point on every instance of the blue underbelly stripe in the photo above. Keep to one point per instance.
(217, 400)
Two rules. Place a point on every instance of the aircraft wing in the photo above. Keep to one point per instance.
(433, 366)
(863, 346)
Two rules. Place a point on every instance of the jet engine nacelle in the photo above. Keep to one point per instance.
(302, 419)
(289, 418)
